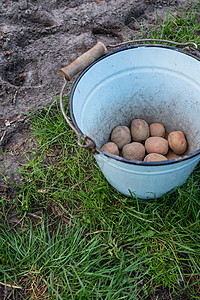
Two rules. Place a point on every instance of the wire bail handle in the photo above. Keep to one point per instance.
(155, 40)
(84, 141)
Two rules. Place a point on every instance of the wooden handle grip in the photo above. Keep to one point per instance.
(84, 60)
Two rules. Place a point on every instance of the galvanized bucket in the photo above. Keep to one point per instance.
(158, 83)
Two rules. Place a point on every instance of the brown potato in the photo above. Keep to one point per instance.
(139, 130)
(177, 142)
(121, 136)
(172, 155)
(166, 134)
(154, 157)
(134, 151)
(157, 129)
(156, 144)
(111, 148)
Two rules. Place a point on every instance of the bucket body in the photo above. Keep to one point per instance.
(154, 83)
(145, 181)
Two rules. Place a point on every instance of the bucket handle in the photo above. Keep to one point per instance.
(100, 49)
(154, 40)
(85, 60)
(84, 141)
(68, 72)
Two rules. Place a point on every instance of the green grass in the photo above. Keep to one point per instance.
(69, 264)
(97, 242)
(78, 238)
(182, 26)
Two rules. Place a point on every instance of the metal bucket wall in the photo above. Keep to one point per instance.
(155, 83)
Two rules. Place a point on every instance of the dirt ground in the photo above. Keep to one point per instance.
(37, 38)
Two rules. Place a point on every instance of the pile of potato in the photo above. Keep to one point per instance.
(144, 142)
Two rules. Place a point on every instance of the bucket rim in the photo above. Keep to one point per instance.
(116, 157)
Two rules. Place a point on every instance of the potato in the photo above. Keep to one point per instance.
(156, 144)
(157, 129)
(154, 157)
(177, 142)
(121, 136)
(139, 130)
(166, 134)
(134, 151)
(172, 155)
(111, 148)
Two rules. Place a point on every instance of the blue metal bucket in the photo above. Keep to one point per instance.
(156, 83)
